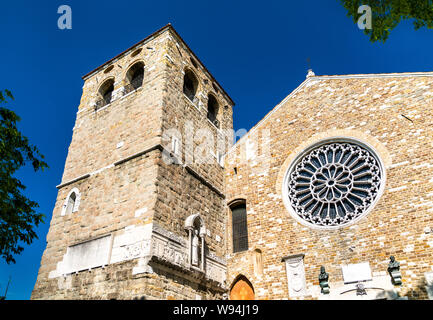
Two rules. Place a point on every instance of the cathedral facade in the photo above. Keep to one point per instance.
(328, 197)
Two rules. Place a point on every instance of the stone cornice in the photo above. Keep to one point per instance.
(73, 181)
(138, 154)
(204, 181)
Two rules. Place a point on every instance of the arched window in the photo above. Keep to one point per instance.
(239, 227)
(135, 76)
(72, 202)
(212, 110)
(105, 92)
(190, 85)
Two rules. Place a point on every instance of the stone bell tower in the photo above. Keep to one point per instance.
(140, 211)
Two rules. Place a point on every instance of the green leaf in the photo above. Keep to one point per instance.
(18, 216)
(387, 14)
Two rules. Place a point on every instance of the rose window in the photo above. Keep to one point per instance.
(334, 183)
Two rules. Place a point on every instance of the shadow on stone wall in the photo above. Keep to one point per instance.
(419, 292)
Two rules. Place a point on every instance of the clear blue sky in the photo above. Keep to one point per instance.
(256, 50)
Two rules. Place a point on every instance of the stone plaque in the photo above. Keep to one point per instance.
(87, 255)
(295, 275)
(356, 272)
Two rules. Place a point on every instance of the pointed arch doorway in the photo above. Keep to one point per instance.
(242, 289)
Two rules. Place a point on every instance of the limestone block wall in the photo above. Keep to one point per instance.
(112, 202)
(393, 114)
(116, 281)
(129, 124)
(190, 118)
(180, 194)
(196, 184)
(125, 237)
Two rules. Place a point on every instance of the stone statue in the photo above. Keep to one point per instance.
(195, 248)
(323, 280)
(394, 271)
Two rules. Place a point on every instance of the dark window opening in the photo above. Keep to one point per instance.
(135, 76)
(136, 52)
(212, 110)
(109, 69)
(239, 227)
(106, 93)
(190, 84)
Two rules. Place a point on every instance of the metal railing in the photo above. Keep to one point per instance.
(134, 85)
(102, 102)
(212, 119)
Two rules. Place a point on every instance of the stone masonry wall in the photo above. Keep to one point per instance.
(129, 124)
(115, 160)
(180, 193)
(393, 114)
(109, 202)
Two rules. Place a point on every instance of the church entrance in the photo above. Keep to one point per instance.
(242, 290)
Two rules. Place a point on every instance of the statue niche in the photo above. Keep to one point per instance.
(196, 241)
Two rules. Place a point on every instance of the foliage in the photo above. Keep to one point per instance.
(387, 14)
(17, 213)
(6, 291)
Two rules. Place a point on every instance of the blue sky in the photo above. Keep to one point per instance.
(256, 50)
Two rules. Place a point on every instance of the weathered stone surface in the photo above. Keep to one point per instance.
(128, 191)
(129, 194)
(392, 114)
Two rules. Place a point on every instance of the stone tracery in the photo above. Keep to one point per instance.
(334, 183)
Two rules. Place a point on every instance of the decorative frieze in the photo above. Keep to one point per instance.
(171, 249)
(131, 244)
(146, 243)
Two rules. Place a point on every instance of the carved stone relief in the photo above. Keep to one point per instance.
(143, 242)
(295, 275)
